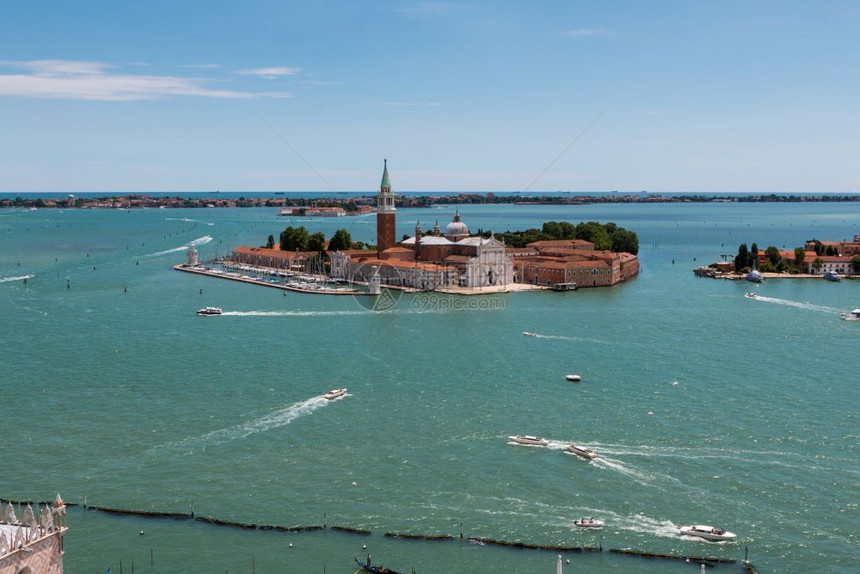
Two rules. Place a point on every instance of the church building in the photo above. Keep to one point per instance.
(427, 262)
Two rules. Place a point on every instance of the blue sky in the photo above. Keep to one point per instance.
(465, 96)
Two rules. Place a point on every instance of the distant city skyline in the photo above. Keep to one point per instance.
(677, 96)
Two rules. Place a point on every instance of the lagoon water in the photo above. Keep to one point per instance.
(705, 406)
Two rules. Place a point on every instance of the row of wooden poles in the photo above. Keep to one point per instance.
(708, 560)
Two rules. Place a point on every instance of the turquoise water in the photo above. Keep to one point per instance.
(115, 390)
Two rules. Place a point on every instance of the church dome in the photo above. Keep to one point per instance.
(456, 229)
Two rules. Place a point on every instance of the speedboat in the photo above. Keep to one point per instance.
(209, 311)
(750, 295)
(707, 532)
(334, 393)
(574, 378)
(755, 276)
(852, 316)
(832, 275)
(529, 440)
(588, 523)
(581, 451)
(528, 334)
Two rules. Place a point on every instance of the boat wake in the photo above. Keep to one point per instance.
(265, 423)
(797, 304)
(291, 313)
(602, 461)
(18, 278)
(197, 242)
(187, 220)
(646, 525)
(562, 338)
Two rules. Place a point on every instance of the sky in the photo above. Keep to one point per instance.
(664, 96)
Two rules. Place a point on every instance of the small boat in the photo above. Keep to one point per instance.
(334, 393)
(377, 569)
(707, 532)
(528, 334)
(209, 311)
(755, 276)
(750, 295)
(832, 275)
(850, 316)
(574, 378)
(529, 440)
(581, 451)
(588, 523)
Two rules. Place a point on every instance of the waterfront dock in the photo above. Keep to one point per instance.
(244, 278)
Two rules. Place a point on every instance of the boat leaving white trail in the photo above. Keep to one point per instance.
(292, 313)
(796, 304)
(265, 423)
(18, 278)
(197, 242)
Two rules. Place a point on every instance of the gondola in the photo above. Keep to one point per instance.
(376, 569)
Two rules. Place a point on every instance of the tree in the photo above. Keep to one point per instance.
(271, 242)
(316, 242)
(294, 239)
(799, 256)
(753, 256)
(742, 258)
(772, 255)
(595, 233)
(625, 241)
(340, 240)
(855, 264)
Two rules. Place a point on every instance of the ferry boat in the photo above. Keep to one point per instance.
(588, 523)
(831, 275)
(209, 311)
(581, 451)
(334, 393)
(707, 532)
(852, 316)
(574, 378)
(529, 440)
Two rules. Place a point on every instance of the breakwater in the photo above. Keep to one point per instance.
(406, 536)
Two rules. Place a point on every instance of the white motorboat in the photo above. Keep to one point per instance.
(581, 451)
(831, 275)
(851, 316)
(528, 334)
(750, 295)
(209, 311)
(574, 378)
(529, 440)
(755, 276)
(588, 523)
(707, 532)
(334, 393)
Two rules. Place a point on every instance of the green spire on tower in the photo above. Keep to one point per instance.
(386, 184)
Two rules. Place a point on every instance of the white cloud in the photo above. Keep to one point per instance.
(271, 73)
(585, 32)
(201, 66)
(62, 79)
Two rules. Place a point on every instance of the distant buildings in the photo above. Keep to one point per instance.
(452, 259)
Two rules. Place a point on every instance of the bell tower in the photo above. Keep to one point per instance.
(385, 213)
